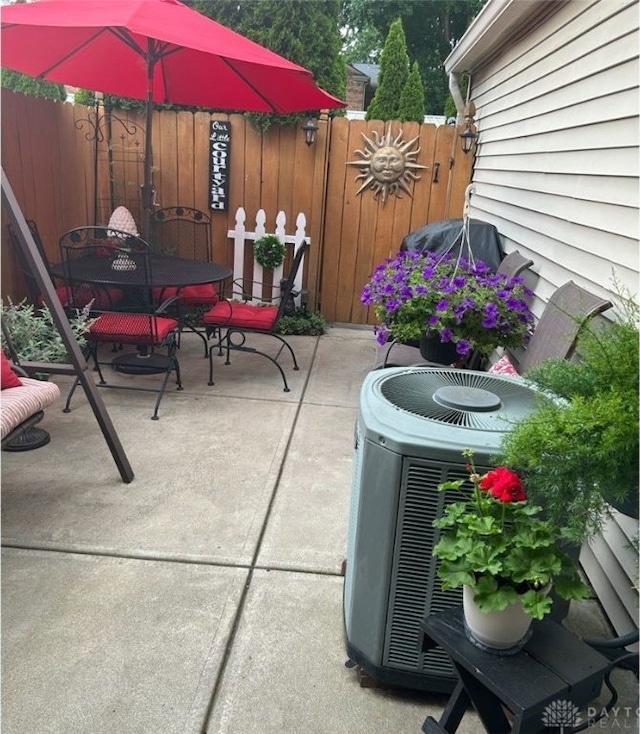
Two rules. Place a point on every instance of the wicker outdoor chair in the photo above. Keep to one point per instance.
(557, 331)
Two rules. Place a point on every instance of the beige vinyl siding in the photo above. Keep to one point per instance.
(556, 171)
(557, 161)
(612, 568)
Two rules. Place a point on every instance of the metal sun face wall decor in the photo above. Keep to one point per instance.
(387, 164)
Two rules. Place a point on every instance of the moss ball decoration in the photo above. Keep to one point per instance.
(269, 251)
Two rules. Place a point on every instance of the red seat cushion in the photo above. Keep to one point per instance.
(8, 377)
(132, 328)
(190, 295)
(242, 315)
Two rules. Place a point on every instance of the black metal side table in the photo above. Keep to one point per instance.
(541, 686)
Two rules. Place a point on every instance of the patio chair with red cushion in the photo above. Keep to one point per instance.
(139, 321)
(232, 320)
(84, 293)
(185, 232)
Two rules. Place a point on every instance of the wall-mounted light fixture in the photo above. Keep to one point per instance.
(468, 131)
(310, 130)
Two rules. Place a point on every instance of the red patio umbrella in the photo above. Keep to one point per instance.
(160, 51)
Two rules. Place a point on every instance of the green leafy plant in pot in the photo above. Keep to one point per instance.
(269, 251)
(501, 547)
(579, 455)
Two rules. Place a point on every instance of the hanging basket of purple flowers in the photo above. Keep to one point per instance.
(425, 294)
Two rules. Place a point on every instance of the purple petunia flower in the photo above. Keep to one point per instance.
(491, 314)
(463, 347)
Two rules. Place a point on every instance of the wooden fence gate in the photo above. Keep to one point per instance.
(64, 178)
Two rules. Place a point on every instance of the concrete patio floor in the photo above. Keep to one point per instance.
(205, 596)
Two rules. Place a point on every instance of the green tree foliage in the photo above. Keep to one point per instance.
(432, 28)
(34, 87)
(362, 46)
(412, 98)
(306, 33)
(394, 73)
(85, 97)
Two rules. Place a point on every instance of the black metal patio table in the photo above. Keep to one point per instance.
(166, 272)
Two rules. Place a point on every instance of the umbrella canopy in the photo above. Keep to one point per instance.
(160, 51)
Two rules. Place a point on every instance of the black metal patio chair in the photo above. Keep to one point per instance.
(139, 320)
(83, 292)
(230, 320)
(186, 232)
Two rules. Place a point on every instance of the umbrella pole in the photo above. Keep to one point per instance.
(147, 187)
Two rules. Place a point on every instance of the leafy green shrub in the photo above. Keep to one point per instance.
(34, 335)
(35, 87)
(580, 454)
(302, 322)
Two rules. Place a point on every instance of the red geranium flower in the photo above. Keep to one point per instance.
(504, 485)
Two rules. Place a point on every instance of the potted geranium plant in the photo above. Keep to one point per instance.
(459, 302)
(504, 554)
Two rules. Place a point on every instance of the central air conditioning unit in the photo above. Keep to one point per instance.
(412, 427)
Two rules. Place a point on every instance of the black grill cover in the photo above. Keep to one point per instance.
(437, 236)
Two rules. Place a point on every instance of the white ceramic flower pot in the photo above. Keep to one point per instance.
(505, 631)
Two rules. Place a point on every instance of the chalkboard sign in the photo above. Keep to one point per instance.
(219, 165)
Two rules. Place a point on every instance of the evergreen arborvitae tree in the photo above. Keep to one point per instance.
(412, 98)
(394, 72)
(34, 87)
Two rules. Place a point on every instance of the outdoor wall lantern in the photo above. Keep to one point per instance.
(310, 130)
(469, 133)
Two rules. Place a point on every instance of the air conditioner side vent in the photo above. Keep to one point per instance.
(415, 589)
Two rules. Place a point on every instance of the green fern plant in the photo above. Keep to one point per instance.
(580, 455)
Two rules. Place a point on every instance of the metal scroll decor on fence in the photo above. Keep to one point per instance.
(220, 139)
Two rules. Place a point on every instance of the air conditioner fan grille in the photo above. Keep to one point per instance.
(474, 400)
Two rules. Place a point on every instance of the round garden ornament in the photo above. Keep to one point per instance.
(269, 251)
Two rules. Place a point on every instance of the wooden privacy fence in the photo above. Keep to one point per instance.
(64, 176)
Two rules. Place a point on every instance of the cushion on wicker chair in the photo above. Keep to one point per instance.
(132, 328)
(8, 377)
(503, 367)
(242, 315)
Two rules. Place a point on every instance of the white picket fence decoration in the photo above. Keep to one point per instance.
(239, 235)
